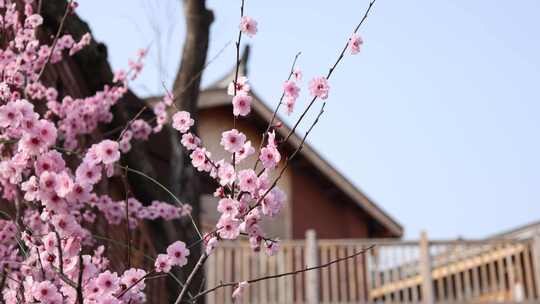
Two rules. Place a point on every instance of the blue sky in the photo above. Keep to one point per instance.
(437, 119)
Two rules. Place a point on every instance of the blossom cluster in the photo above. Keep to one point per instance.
(51, 169)
(55, 163)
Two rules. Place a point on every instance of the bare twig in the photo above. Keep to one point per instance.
(201, 261)
(275, 276)
(270, 124)
(288, 160)
(60, 255)
(56, 37)
(128, 232)
(340, 57)
(80, 299)
(131, 122)
(235, 82)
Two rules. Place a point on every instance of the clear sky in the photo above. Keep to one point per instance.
(437, 119)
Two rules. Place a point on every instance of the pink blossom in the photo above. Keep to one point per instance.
(88, 174)
(47, 181)
(290, 89)
(354, 43)
(107, 282)
(228, 227)
(242, 87)
(182, 121)
(163, 263)
(271, 247)
(199, 159)
(270, 157)
(34, 21)
(244, 152)
(30, 187)
(226, 174)
(248, 26)
(228, 207)
(108, 151)
(318, 87)
(47, 131)
(178, 253)
(64, 184)
(273, 202)
(297, 73)
(241, 105)
(239, 291)
(211, 245)
(247, 180)
(10, 116)
(233, 140)
(44, 291)
(190, 141)
(289, 103)
(133, 278)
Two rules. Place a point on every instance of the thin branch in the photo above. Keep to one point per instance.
(340, 57)
(55, 41)
(131, 122)
(275, 276)
(201, 261)
(133, 285)
(288, 160)
(236, 81)
(265, 134)
(60, 255)
(79, 288)
(128, 232)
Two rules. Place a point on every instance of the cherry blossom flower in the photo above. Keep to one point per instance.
(182, 121)
(64, 184)
(297, 73)
(229, 227)
(242, 87)
(269, 157)
(318, 87)
(87, 174)
(247, 180)
(244, 152)
(239, 291)
(211, 244)
(109, 151)
(228, 207)
(232, 140)
(226, 174)
(178, 253)
(163, 263)
(290, 89)
(248, 26)
(241, 105)
(190, 141)
(107, 282)
(133, 278)
(354, 43)
(271, 247)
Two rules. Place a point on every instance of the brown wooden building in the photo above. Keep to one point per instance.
(318, 196)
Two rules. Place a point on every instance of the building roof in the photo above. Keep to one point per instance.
(528, 230)
(216, 96)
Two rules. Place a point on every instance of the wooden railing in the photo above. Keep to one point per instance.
(394, 271)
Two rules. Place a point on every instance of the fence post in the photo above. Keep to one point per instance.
(311, 255)
(536, 262)
(425, 270)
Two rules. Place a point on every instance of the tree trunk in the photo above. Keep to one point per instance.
(186, 91)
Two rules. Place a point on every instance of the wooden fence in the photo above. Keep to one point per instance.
(394, 271)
